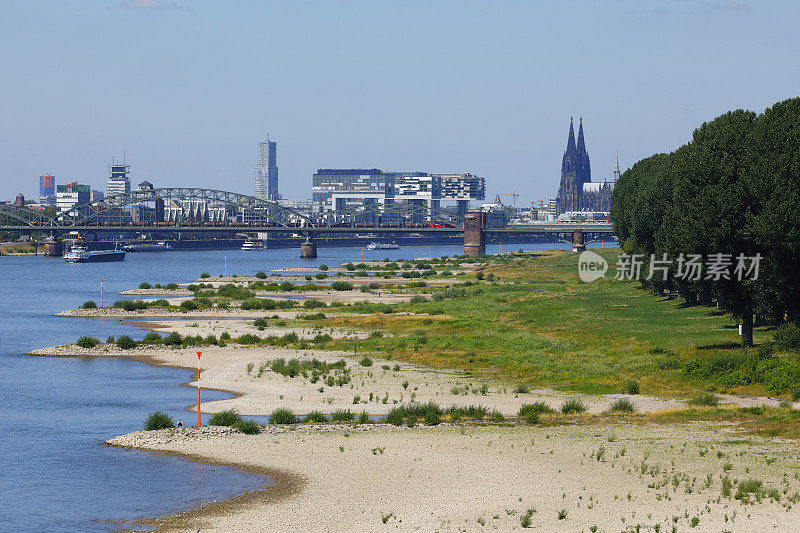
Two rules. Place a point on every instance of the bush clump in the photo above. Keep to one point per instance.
(313, 304)
(282, 416)
(125, 343)
(342, 415)
(707, 400)
(341, 286)
(623, 405)
(158, 420)
(573, 406)
(316, 417)
(145, 285)
(630, 387)
(91, 304)
(536, 408)
(228, 417)
(87, 342)
(248, 427)
(131, 305)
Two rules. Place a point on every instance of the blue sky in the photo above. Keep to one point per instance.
(187, 88)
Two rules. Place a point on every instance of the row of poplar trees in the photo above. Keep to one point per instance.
(733, 189)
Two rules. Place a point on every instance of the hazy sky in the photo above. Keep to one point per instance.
(187, 88)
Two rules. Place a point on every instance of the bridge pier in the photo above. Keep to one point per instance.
(577, 241)
(308, 250)
(53, 248)
(474, 238)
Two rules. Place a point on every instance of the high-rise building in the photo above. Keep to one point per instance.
(118, 183)
(96, 195)
(47, 189)
(267, 171)
(72, 194)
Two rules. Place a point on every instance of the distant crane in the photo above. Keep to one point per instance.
(514, 195)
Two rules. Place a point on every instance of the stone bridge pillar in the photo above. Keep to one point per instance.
(308, 250)
(474, 238)
(577, 241)
(53, 248)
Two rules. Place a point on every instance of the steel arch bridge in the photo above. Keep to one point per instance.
(12, 215)
(176, 206)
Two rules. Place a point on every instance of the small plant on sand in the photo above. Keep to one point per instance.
(562, 514)
(87, 342)
(282, 416)
(521, 389)
(395, 416)
(356, 399)
(630, 387)
(158, 420)
(89, 305)
(316, 417)
(525, 519)
(363, 418)
(573, 406)
(228, 417)
(125, 343)
(385, 517)
(405, 384)
(248, 427)
(708, 400)
(365, 361)
(623, 405)
(750, 490)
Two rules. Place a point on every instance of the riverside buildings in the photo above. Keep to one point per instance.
(336, 189)
(72, 194)
(267, 171)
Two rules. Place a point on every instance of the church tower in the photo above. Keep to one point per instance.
(584, 168)
(570, 188)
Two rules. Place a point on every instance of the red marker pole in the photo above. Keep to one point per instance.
(101, 293)
(198, 388)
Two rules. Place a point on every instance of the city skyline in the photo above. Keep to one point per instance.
(424, 105)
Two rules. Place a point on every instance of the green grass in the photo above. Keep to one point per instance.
(623, 405)
(547, 327)
(708, 400)
(573, 406)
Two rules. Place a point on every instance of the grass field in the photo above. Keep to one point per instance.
(541, 325)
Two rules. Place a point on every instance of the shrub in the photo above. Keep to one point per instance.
(161, 302)
(395, 416)
(623, 405)
(205, 275)
(418, 299)
(282, 416)
(225, 336)
(365, 361)
(261, 274)
(189, 305)
(342, 415)
(248, 427)
(173, 339)
(145, 285)
(89, 305)
(363, 418)
(521, 389)
(131, 305)
(630, 387)
(708, 400)
(87, 342)
(536, 407)
(341, 286)
(323, 267)
(316, 417)
(787, 337)
(573, 406)
(248, 338)
(171, 286)
(158, 420)
(531, 417)
(125, 343)
(313, 304)
(152, 338)
(227, 417)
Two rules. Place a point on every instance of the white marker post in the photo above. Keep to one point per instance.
(198, 388)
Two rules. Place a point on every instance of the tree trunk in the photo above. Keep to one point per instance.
(705, 297)
(747, 329)
(794, 313)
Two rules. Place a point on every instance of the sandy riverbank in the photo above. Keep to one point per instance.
(483, 478)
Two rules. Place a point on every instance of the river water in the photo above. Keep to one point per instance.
(54, 473)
